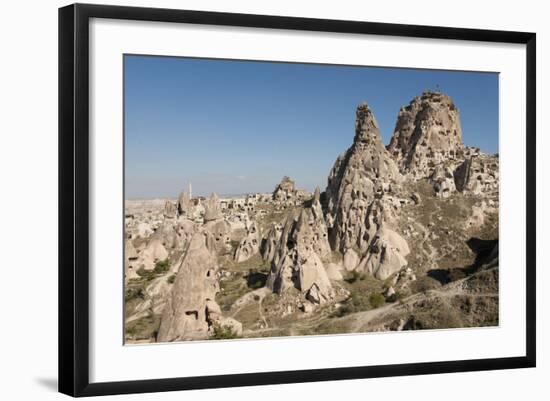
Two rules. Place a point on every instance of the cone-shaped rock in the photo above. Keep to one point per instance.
(356, 185)
(185, 314)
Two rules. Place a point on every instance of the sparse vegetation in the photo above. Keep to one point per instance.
(223, 333)
(133, 293)
(377, 300)
(162, 266)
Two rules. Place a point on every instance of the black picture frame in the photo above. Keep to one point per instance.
(74, 200)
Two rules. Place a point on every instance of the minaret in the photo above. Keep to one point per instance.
(190, 192)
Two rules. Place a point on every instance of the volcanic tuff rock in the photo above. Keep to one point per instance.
(386, 255)
(185, 313)
(427, 133)
(249, 245)
(217, 233)
(184, 205)
(212, 208)
(297, 259)
(357, 185)
(271, 241)
(170, 210)
(286, 190)
(478, 174)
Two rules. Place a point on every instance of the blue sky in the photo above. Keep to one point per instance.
(238, 126)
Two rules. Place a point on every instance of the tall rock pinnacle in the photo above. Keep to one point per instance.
(356, 185)
(427, 133)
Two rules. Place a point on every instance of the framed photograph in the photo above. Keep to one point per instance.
(251, 199)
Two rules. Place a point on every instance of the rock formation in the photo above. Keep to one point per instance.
(297, 260)
(357, 185)
(271, 241)
(285, 191)
(443, 181)
(212, 208)
(217, 236)
(249, 245)
(170, 210)
(185, 313)
(386, 254)
(477, 174)
(427, 133)
(154, 252)
(184, 205)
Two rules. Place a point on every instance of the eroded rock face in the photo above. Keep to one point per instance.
(184, 205)
(386, 254)
(130, 260)
(285, 191)
(218, 239)
(185, 314)
(443, 181)
(271, 241)
(154, 252)
(297, 263)
(170, 210)
(356, 187)
(427, 133)
(249, 245)
(478, 174)
(212, 208)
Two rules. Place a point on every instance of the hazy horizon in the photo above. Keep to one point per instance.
(236, 127)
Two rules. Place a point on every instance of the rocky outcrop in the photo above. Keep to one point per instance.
(427, 133)
(443, 181)
(185, 313)
(184, 205)
(130, 258)
(154, 252)
(218, 239)
(271, 241)
(297, 263)
(249, 245)
(285, 190)
(386, 254)
(212, 208)
(170, 210)
(478, 174)
(357, 185)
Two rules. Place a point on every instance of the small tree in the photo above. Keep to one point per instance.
(377, 300)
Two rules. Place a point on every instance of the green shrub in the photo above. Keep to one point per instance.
(171, 279)
(376, 300)
(133, 293)
(162, 266)
(354, 276)
(397, 296)
(223, 333)
(143, 272)
(424, 284)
